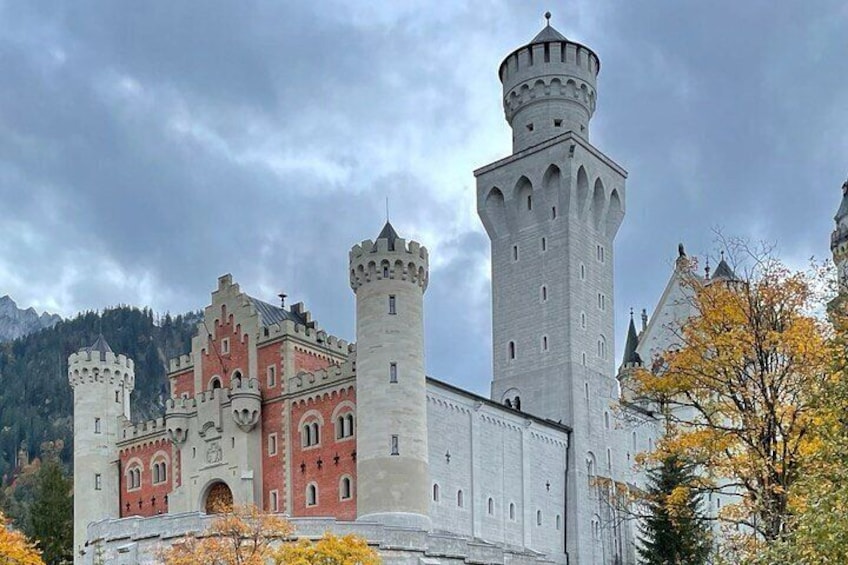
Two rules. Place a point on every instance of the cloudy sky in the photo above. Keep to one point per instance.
(148, 147)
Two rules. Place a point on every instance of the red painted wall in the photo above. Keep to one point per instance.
(326, 474)
(150, 499)
(182, 384)
(215, 362)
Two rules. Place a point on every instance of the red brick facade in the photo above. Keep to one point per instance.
(325, 464)
(149, 497)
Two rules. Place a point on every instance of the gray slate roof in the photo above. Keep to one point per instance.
(723, 271)
(630, 355)
(388, 232)
(100, 346)
(548, 33)
(270, 314)
(843, 207)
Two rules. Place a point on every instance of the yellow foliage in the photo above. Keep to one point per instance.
(15, 549)
(245, 535)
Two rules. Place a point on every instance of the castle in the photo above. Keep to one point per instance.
(270, 409)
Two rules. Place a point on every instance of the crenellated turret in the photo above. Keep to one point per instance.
(102, 382)
(389, 277)
(549, 88)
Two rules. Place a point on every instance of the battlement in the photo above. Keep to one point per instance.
(143, 429)
(108, 368)
(180, 363)
(305, 381)
(98, 359)
(311, 334)
(396, 260)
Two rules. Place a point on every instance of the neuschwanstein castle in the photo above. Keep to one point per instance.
(268, 408)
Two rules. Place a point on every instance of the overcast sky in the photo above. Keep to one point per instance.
(148, 147)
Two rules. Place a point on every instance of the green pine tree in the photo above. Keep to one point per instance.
(675, 531)
(52, 513)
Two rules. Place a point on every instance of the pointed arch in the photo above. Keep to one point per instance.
(582, 190)
(551, 187)
(599, 202)
(495, 211)
(615, 213)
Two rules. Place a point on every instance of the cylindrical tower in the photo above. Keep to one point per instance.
(548, 88)
(102, 383)
(389, 277)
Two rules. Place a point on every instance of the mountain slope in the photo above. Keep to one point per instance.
(15, 323)
(36, 401)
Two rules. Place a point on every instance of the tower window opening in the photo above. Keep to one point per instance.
(225, 346)
(606, 420)
(584, 358)
(529, 127)
(395, 446)
(272, 444)
(385, 271)
(586, 391)
(392, 304)
(511, 350)
(515, 253)
(512, 511)
(544, 343)
(544, 293)
(393, 378)
(491, 506)
(609, 458)
(272, 376)
(272, 502)
(544, 244)
(529, 201)
(557, 123)
(582, 272)
(600, 253)
(553, 212)
(558, 522)
(538, 517)
(118, 396)
(547, 52)
(459, 499)
(344, 489)
(98, 481)
(583, 320)
(97, 425)
(436, 492)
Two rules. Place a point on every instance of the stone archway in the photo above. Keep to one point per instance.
(219, 498)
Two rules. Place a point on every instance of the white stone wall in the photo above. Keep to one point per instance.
(490, 452)
(102, 387)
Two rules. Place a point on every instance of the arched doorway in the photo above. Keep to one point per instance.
(219, 498)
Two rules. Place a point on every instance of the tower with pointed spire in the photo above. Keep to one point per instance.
(552, 210)
(389, 277)
(102, 382)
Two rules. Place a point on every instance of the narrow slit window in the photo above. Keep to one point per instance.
(98, 481)
(395, 445)
(392, 304)
(511, 350)
(393, 378)
(544, 293)
(515, 253)
(544, 244)
(544, 343)
(97, 425)
(553, 212)
(529, 201)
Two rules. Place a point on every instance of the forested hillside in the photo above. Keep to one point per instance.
(35, 399)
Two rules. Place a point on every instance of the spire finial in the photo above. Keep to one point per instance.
(722, 254)
(548, 18)
(707, 268)
(631, 313)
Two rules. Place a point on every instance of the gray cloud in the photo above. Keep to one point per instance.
(147, 148)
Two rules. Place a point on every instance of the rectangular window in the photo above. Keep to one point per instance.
(544, 244)
(395, 447)
(97, 425)
(515, 253)
(272, 376)
(393, 372)
(225, 346)
(118, 396)
(392, 304)
(601, 253)
(273, 505)
(98, 482)
(272, 444)
(553, 212)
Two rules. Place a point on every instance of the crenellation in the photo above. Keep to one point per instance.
(143, 429)
(181, 363)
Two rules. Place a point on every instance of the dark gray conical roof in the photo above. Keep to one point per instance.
(723, 271)
(843, 206)
(548, 33)
(101, 347)
(389, 233)
(630, 354)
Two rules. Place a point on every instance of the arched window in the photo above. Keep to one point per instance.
(602, 347)
(538, 517)
(491, 506)
(236, 380)
(512, 511)
(312, 494)
(517, 403)
(349, 424)
(311, 434)
(316, 434)
(215, 383)
(134, 476)
(435, 492)
(344, 426)
(508, 403)
(459, 500)
(344, 488)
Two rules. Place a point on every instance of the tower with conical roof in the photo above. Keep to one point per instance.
(389, 277)
(839, 240)
(552, 210)
(102, 382)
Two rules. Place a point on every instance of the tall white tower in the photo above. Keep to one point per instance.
(389, 277)
(102, 383)
(839, 240)
(552, 210)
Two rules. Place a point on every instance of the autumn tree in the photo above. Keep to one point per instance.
(15, 549)
(245, 535)
(674, 530)
(738, 388)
